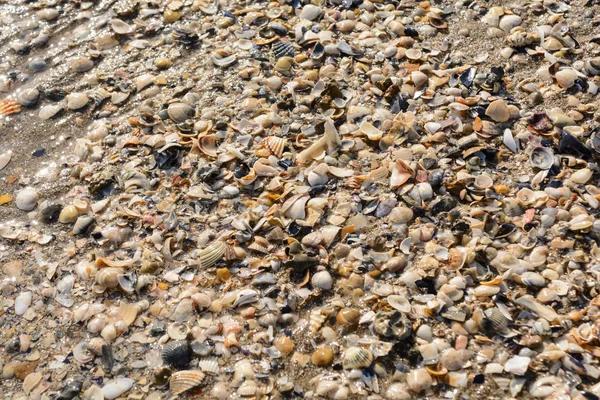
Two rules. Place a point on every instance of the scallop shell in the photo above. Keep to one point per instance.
(275, 145)
(211, 254)
(209, 365)
(177, 352)
(283, 49)
(9, 107)
(357, 358)
(182, 381)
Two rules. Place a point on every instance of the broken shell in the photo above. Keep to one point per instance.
(392, 324)
(498, 111)
(541, 157)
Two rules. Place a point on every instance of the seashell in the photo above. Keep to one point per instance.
(245, 296)
(207, 145)
(247, 389)
(414, 54)
(120, 27)
(224, 62)
(370, 131)
(209, 365)
(22, 302)
(582, 176)
(399, 302)
(530, 279)
(118, 97)
(592, 66)
(284, 64)
(81, 64)
(401, 173)
(508, 22)
(4, 160)
(310, 12)
(392, 324)
(182, 381)
(357, 358)
(99, 95)
(76, 101)
(483, 181)
(180, 112)
(283, 49)
(127, 281)
(108, 277)
(31, 381)
(50, 111)
(9, 107)
(28, 97)
(115, 388)
(542, 158)
(542, 311)
(566, 77)
(498, 111)
(211, 254)
(322, 280)
(322, 356)
(263, 167)
(316, 320)
(27, 199)
(128, 312)
(275, 145)
(348, 317)
(177, 353)
(47, 14)
(83, 225)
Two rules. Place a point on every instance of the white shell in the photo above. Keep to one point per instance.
(49, 111)
(322, 280)
(209, 365)
(115, 388)
(27, 199)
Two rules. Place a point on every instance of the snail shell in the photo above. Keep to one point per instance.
(357, 358)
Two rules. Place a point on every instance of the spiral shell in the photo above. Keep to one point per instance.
(211, 254)
(182, 381)
(177, 352)
(357, 358)
(316, 320)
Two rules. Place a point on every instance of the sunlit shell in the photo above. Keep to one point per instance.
(357, 358)
(120, 27)
(211, 254)
(275, 145)
(182, 381)
(108, 277)
(81, 64)
(180, 112)
(9, 107)
(50, 111)
(541, 157)
(75, 101)
(209, 365)
(316, 320)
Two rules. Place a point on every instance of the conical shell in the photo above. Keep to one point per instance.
(316, 320)
(211, 254)
(357, 358)
(182, 381)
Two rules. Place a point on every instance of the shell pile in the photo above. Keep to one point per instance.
(302, 199)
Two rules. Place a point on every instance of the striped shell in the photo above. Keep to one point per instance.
(182, 381)
(8, 107)
(209, 365)
(283, 49)
(177, 352)
(275, 145)
(108, 277)
(316, 320)
(211, 254)
(99, 95)
(357, 358)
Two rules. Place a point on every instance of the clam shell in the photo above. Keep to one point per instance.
(115, 388)
(541, 157)
(180, 112)
(81, 64)
(4, 160)
(76, 101)
(208, 145)
(50, 111)
(182, 381)
(27, 199)
(310, 12)
(508, 22)
(211, 254)
(108, 277)
(357, 358)
(28, 97)
(225, 61)
(120, 27)
(177, 352)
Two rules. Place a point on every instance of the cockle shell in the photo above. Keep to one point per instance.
(275, 145)
(210, 365)
(211, 254)
(357, 358)
(182, 381)
(9, 107)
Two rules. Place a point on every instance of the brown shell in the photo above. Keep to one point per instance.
(182, 381)
(275, 145)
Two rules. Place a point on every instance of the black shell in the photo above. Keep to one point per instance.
(177, 352)
(283, 49)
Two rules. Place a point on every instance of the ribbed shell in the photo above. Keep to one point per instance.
(209, 365)
(275, 145)
(177, 352)
(182, 381)
(211, 254)
(283, 49)
(8, 107)
(316, 320)
(356, 358)
(99, 95)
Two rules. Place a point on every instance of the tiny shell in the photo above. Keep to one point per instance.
(27, 199)
(9, 107)
(209, 365)
(211, 254)
(75, 101)
(357, 358)
(182, 381)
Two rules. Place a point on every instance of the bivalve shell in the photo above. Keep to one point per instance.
(357, 358)
(182, 381)
(211, 254)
